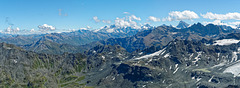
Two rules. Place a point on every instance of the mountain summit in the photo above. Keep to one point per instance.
(182, 25)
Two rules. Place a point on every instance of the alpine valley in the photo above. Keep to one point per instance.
(185, 56)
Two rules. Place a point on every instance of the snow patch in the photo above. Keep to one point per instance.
(167, 55)
(219, 65)
(175, 71)
(103, 57)
(151, 55)
(210, 80)
(226, 42)
(234, 56)
(15, 61)
(176, 65)
(174, 33)
(233, 69)
(197, 57)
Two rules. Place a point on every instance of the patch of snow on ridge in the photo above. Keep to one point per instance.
(151, 55)
(233, 69)
(110, 30)
(167, 55)
(226, 42)
(234, 56)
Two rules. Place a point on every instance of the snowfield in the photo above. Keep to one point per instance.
(226, 42)
(151, 55)
(233, 69)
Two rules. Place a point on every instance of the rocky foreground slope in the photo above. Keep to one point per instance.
(20, 68)
(181, 64)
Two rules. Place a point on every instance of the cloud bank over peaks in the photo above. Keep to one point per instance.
(88, 27)
(11, 30)
(219, 22)
(128, 21)
(228, 16)
(46, 27)
(184, 15)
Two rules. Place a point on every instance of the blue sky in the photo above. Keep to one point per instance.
(63, 15)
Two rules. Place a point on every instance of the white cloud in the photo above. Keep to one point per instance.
(95, 18)
(154, 19)
(121, 22)
(128, 21)
(228, 16)
(184, 15)
(11, 30)
(46, 27)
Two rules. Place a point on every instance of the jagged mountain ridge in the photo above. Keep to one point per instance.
(162, 35)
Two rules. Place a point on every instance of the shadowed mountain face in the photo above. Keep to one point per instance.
(182, 25)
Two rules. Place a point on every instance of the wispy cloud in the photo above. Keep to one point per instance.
(184, 15)
(62, 13)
